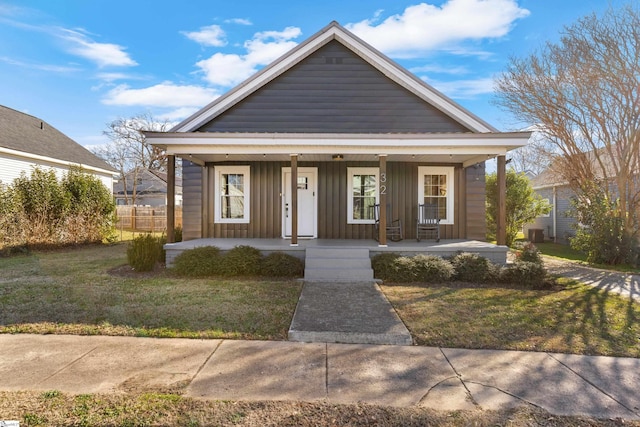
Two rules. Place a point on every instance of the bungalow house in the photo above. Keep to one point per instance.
(27, 141)
(148, 188)
(303, 148)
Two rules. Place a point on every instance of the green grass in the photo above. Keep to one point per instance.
(561, 251)
(72, 291)
(576, 319)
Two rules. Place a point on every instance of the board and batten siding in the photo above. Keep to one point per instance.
(266, 203)
(333, 91)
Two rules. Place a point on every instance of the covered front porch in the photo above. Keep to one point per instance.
(444, 248)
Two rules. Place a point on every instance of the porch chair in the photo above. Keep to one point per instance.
(428, 221)
(394, 226)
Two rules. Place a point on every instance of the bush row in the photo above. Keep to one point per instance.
(239, 261)
(42, 210)
(465, 267)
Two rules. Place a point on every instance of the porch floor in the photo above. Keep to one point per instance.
(495, 253)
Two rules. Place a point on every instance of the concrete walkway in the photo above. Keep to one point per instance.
(625, 284)
(355, 313)
(438, 378)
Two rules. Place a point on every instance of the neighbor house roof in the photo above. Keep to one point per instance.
(32, 137)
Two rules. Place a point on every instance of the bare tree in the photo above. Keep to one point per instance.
(535, 157)
(128, 151)
(584, 94)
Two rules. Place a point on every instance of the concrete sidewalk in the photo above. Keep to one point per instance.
(625, 284)
(444, 379)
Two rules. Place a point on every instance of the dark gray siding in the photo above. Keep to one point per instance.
(192, 192)
(475, 202)
(266, 207)
(333, 90)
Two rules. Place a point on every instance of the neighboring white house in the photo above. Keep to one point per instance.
(150, 189)
(27, 141)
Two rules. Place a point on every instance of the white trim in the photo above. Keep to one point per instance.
(335, 31)
(246, 171)
(193, 144)
(439, 170)
(351, 171)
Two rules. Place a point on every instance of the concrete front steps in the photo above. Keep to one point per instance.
(338, 265)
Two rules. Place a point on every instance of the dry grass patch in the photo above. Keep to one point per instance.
(53, 408)
(83, 291)
(576, 319)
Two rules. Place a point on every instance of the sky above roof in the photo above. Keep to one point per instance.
(81, 64)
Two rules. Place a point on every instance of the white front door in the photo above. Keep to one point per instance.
(307, 202)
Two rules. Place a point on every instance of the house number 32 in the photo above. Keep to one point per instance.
(383, 180)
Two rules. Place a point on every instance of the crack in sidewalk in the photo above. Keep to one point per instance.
(205, 362)
(632, 410)
(68, 365)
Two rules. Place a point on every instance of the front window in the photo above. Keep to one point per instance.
(435, 186)
(363, 194)
(232, 194)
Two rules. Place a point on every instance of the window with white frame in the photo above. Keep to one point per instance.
(232, 194)
(435, 186)
(362, 195)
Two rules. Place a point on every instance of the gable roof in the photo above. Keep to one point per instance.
(375, 58)
(31, 136)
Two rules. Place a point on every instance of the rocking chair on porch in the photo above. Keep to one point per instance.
(428, 221)
(394, 226)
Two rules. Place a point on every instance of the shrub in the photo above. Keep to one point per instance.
(242, 261)
(525, 273)
(199, 262)
(144, 252)
(384, 265)
(432, 269)
(473, 268)
(279, 264)
(529, 253)
(177, 234)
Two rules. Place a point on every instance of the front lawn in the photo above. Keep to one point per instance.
(575, 318)
(88, 291)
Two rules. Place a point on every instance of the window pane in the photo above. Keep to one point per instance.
(364, 196)
(232, 196)
(435, 192)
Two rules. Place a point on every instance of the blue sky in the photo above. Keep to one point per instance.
(80, 64)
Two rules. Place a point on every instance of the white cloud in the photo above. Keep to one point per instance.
(43, 67)
(177, 114)
(426, 27)
(213, 35)
(223, 69)
(464, 89)
(103, 54)
(239, 21)
(441, 69)
(165, 94)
